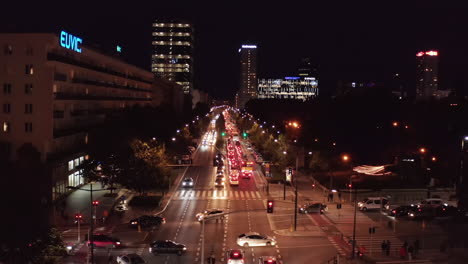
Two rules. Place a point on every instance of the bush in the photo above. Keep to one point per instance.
(145, 201)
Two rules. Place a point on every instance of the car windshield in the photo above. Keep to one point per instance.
(188, 179)
(365, 200)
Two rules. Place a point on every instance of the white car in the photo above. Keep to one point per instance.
(187, 182)
(210, 214)
(235, 256)
(219, 182)
(254, 239)
(130, 259)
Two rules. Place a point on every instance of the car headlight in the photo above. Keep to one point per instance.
(134, 223)
(117, 243)
(184, 248)
(411, 214)
(183, 183)
(150, 249)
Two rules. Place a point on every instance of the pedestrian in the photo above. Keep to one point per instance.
(410, 252)
(416, 247)
(339, 196)
(388, 247)
(402, 252)
(384, 247)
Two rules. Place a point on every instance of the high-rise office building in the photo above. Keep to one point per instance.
(172, 57)
(248, 74)
(298, 88)
(307, 69)
(427, 83)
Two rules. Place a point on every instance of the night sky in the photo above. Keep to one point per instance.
(349, 41)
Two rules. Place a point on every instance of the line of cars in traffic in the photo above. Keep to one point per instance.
(431, 208)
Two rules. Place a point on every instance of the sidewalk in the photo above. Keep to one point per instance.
(343, 219)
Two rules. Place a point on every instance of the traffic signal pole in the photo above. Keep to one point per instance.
(91, 222)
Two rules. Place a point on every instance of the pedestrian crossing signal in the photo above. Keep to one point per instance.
(270, 205)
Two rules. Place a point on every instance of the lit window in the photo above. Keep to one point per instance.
(6, 127)
(29, 69)
(8, 50)
(70, 165)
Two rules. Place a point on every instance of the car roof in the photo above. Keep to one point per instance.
(251, 233)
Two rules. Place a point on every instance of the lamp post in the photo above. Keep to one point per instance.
(465, 138)
(92, 216)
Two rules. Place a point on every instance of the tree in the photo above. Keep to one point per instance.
(146, 167)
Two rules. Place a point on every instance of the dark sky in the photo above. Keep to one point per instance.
(365, 40)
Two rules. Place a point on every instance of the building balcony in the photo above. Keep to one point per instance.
(89, 97)
(55, 56)
(112, 85)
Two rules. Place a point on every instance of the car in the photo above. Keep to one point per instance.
(313, 208)
(130, 259)
(421, 213)
(431, 203)
(235, 256)
(147, 221)
(219, 183)
(267, 260)
(102, 240)
(254, 239)
(191, 149)
(246, 174)
(221, 176)
(187, 182)
(401, 211)
(210, 214)
(167, 247)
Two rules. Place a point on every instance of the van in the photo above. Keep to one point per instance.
(372, 203)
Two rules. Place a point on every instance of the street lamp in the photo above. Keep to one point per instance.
(92, 216)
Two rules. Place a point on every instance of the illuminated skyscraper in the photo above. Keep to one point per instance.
(248, 74)
(427, 82)
(172, 57)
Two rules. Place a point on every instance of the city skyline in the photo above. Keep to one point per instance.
(342, 41)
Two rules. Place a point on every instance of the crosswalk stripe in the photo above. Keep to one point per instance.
(203, 193)
(197, 194)
(236, 194)
(252, 194)
(242, 195)
(258, 195)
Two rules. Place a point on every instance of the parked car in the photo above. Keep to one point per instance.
(147, 221)
(101, 240)
(187, 182)
(254, 239)
(235, 256)
(431, 202)
(313, 208)
(167, 247)
(130, 259)
(210, 214)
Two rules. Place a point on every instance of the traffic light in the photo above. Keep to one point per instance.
(350, 185)
(313, 185)
(95, 202)
(270, 205)
(223, 134)
(244, 135)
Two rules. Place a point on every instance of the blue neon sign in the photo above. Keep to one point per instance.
(69, 41)
(292, 78)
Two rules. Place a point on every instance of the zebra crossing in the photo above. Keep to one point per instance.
(217, 195)
(374, 244)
